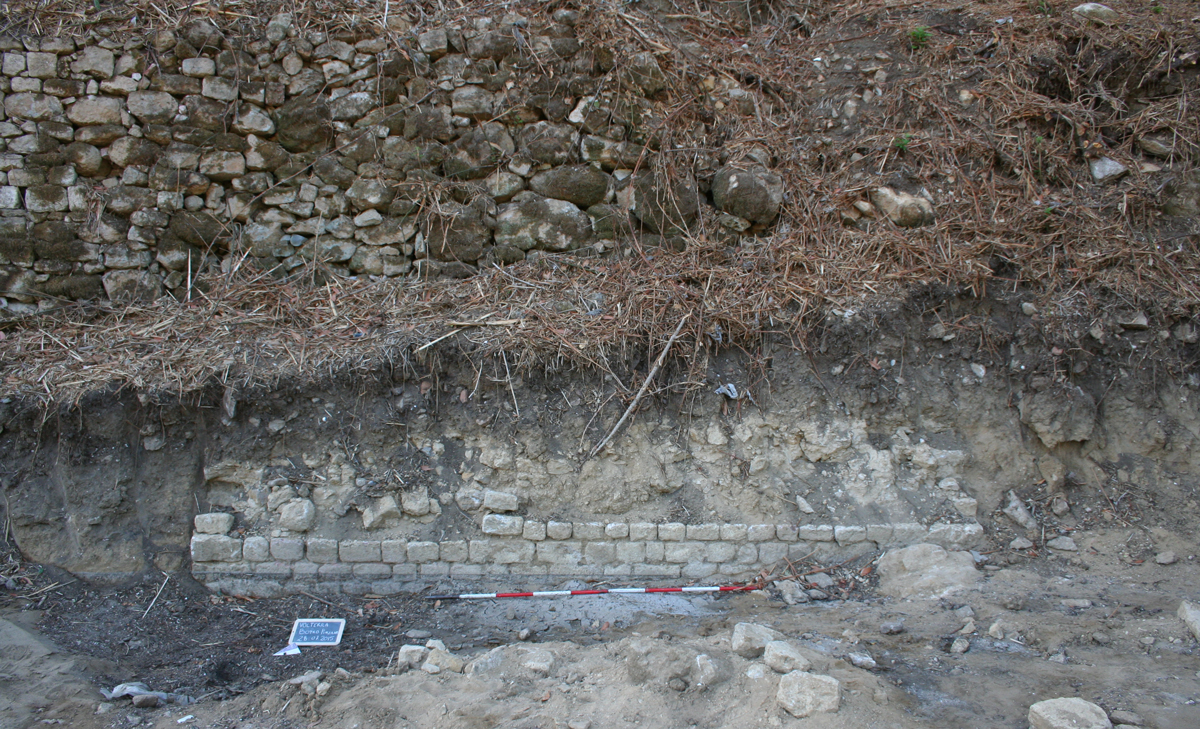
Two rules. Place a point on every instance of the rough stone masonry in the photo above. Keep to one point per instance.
(128, 167)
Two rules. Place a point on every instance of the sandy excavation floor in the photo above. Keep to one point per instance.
(1099, 625)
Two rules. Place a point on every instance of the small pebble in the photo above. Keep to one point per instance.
(1165, 558)
(894, 627)
(960, 646)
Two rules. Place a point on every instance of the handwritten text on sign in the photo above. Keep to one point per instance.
(317, 632)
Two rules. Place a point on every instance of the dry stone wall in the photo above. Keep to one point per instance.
(127, 167)
(511, 547)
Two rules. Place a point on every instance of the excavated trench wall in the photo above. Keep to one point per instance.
(127, 167)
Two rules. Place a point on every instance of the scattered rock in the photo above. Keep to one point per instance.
(784, 657)
(1016, 510)
(1107, 169)
(862, 660)
(443, 661)
(903, 209)
(1121, 716)
(926, 570)
(1165, 558)
(1062, 544)
(1028, 309)
(894, 627)
(750, 640)
(145, 701)
(803, 694)
(1097, 12)
(960, 645)
(1067, 713)
(539, 660)
(792, 592)
(1189, 613)
(297, 515)
(1020, 543)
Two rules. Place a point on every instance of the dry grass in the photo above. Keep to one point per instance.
(1017, 210)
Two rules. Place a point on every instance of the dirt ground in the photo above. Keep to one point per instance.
(1116, 641)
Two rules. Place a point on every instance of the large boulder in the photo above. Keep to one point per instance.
(549, 143)
(304, 124)
(535, 222)
(455, 232)
(583, 185)
(1059, 414)
(754, 194)
(665, 205)
(1067, 713)
(926, 570)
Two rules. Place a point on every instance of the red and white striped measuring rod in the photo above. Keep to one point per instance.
(574, 593)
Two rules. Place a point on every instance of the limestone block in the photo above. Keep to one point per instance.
(734, 532)
(631, 552)
(213, 523)
(415, 503)
(672, 532)
(643, 532)
(455, 551)
(256, 549)
(352, 550)
(816, 533)
(955, 536)
(559, 530)
(589, 530)
(502, 525)
(152, 107)
(500, 501)
(95, 61)
(560, 553)
(749, 640)
(46, 199)
(372, 570)
(684, 552)
(215, 548)
(600, 553)
(534, 531)
(803, 694)
(721, 552)
(501, 551)
(1067, 713)
(698, 570)
(771, 552)
(616, 531)
(704, 532)
(849, 534)
(760, 532)
(198, 67)
(287, 549)
(336, 571)
(423, 552)
(322, 551)
(394, 550)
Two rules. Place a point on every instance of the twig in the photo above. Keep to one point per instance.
(642, 390)
(49, 587)
(160, 589)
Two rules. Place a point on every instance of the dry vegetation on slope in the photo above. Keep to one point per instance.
(995, 110)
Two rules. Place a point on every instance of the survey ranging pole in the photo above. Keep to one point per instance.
(576, 593)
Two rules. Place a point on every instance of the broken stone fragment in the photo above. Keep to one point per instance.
(750, 640)
(297, 515)
(1059, 414)
(1107, 169)
(803, 694)
(1016, 511)
(783, 657)
(1067, 713)
(926, 570)
(500, 501)
(378, 513)
(903, 209)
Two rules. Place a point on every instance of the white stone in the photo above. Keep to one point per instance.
(1067, 713)
(10, 197)
(539, 660)
(1096, 11)
(199, 67)
(297, 515)
(412, 655)
(504, 526)
(1189, 613)
(803, 694)
(1062, 544)
(215, 548)
(926, 570)
(1106, 169)
(252, 120)
(368, 218)
(784, 657)
(213, 523)
(750, 640)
